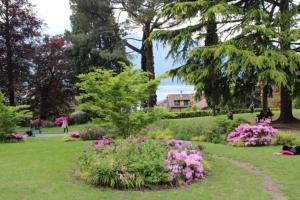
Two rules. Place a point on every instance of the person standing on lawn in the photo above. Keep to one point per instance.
(39, 124)
(65, 125)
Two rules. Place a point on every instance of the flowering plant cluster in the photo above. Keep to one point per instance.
(92, 134)
(252, 135)
(102, 142)
(18, 137)
(183, 162)
(75, 134)
(59, 121)
(178, 143)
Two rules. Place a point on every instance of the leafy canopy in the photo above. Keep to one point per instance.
(117, 99)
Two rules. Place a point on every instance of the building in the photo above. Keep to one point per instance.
(180, 102)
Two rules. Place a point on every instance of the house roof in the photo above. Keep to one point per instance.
(178, 97)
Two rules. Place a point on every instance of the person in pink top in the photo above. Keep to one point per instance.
(65, 125)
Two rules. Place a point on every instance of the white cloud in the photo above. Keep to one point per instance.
(55, 13)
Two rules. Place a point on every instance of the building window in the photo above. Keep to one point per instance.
(186, 102)
(177, 103)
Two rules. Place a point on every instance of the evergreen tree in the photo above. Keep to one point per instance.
(144, 14)
(95, 37)
(249, 57)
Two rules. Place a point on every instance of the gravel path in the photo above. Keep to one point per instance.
(269, 185)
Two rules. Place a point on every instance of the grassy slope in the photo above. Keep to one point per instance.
(208, 122)
(40, 169)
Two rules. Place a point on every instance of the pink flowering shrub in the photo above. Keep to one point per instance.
(18, 137)
(75, 134)
(252, 135)
(184, 165)
(178, 143)
(59, 121)
(183, 162)
(102, 142)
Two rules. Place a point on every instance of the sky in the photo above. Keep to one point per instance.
(56, 14)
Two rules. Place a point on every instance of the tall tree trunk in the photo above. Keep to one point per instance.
(44, 105)
(265, 97)
(9, 62)
(147, 61)
(286, 109)
(212, 39)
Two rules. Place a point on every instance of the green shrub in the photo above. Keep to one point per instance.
(10, 117)
(116, 99)
(225, 126)
(285, 138)
(79, 117)
(296, 102)
(165, 134)
(126, 165)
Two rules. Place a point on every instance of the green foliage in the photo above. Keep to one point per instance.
(285, 138)
(164, 134)
(79, 117)
(95, 36)
(117, 99)
(223, 126)
(296, 102)
(126, 165)
(10, 117)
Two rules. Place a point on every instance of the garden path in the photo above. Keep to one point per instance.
(50, 135)
(269, 185)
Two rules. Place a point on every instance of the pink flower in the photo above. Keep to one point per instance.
(75, 134)
(102, 142)
(249, 135)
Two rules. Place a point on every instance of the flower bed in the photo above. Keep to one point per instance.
(139, 163)
(91, 133)
(252, 135)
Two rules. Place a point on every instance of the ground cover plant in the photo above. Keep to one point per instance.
(141, 163)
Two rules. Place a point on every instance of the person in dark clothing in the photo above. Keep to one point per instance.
(294, 150)
(230, 115)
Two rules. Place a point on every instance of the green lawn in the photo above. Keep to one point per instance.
(40, 169)
(209, 122)
(283, 169)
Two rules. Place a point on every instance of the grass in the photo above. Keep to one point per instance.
(203, 123)
(283, 169)
(40, 169)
